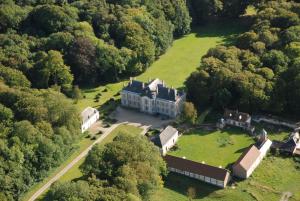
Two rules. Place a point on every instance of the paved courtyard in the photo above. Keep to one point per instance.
(138, 118)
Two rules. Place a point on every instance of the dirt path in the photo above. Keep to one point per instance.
(71, 164)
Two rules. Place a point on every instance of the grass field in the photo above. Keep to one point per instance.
(176, 64)
(274, 176)
(206, 146)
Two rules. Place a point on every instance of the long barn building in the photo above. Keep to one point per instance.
(203, 172)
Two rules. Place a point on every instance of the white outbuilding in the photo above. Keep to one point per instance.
(166, 139)
(88, 117)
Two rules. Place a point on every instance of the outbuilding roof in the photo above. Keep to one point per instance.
(236, 115)
(166, 135)
(247, 159)
(87, 113)
(196, 168)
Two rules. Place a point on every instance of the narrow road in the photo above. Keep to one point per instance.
(71, 164)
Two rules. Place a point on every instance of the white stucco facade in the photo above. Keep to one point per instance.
(88, 117)
(147, 98)
(170, 143)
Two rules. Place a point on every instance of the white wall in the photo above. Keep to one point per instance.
(169, 144)
(86, 125)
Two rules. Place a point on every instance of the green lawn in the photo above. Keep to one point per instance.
(176, 64)
(274, 176)
(206, 146)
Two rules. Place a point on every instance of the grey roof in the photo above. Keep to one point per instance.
(165, 136)
(236, 115)
(87, 113)
(153, 89)
(135, 86)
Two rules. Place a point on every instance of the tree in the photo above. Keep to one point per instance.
(76, 93)
(126, 163)
(77, 191)
(191, 193)
(81, 57)
(51, 70)
(11, 16)
(47, 19)
(13, 77)
(189, 112)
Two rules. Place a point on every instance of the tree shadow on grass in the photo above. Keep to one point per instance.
(226, 30)
(181, 184)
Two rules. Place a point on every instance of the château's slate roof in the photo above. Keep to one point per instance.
(153, 89)
(135, 86)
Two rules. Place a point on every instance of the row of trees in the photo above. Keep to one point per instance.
(37, 131)
(260, 73)
(127, 169)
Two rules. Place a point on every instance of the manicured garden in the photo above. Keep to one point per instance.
(217, 148)
(271, 179)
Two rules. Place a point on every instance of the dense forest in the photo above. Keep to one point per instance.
(261, 73)
(37, 130)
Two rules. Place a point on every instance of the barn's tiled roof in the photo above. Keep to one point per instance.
(248, 157)
(196, 168)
